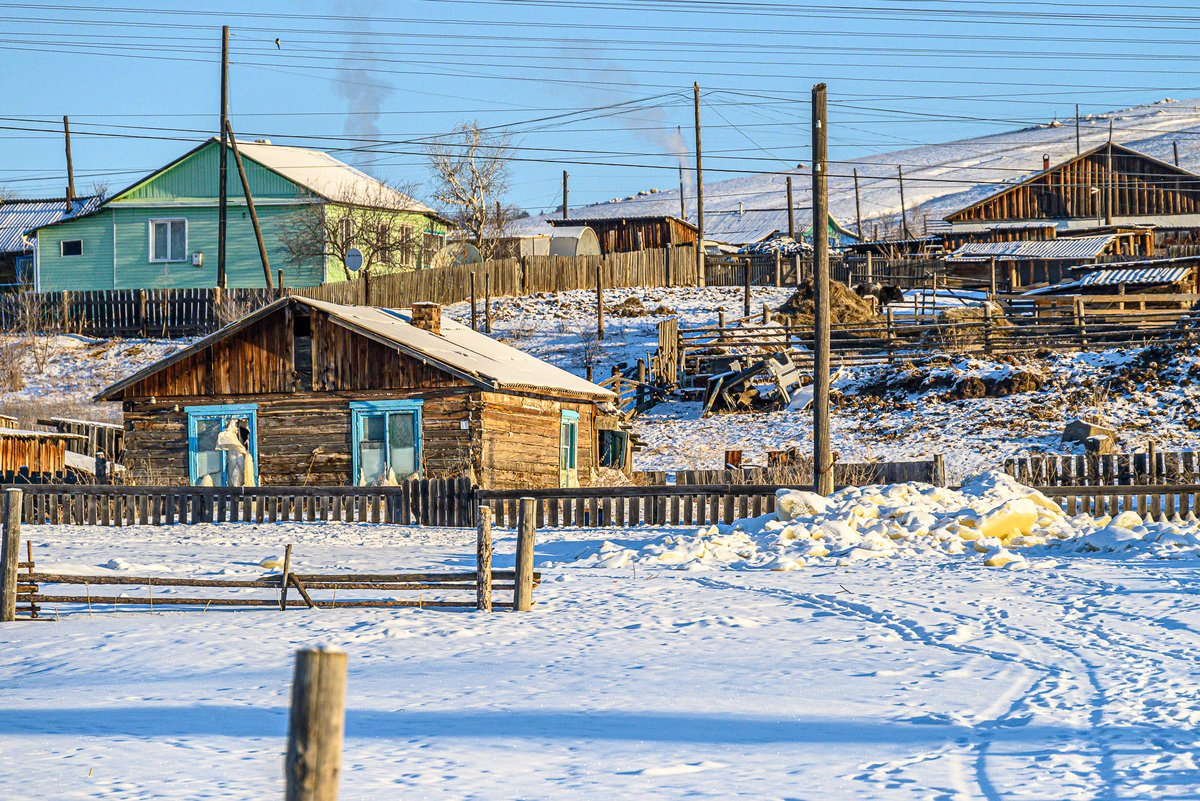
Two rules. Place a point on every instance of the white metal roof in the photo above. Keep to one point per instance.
(19, 216)
(1082, 247)
(1143, 275)
(324, 175)
(463, 350)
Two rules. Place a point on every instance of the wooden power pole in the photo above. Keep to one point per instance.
(262, 247)
(822, 450)
(903, 208)
(699, 192)
(857, 208)
(791, 211)
(71, 164)
(1078, 145)
(1108, 179)
(1174, 148)
(566, 176)
(222, 194)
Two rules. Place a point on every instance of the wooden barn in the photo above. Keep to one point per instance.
(1109, 184)
(304, 392)
(33, 452)
(625, 234)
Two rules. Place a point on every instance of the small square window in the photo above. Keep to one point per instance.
(72, 247)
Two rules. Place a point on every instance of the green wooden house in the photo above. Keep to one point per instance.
(162, 231)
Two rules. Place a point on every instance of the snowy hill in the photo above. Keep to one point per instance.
(938, 179)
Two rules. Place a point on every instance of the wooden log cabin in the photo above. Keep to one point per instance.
(305, 392)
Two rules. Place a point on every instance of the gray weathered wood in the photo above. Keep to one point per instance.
(483, 560)
(283, 577)
(526, 535)
(10, 555)
(316, 726)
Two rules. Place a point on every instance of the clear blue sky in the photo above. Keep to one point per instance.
(140, 80)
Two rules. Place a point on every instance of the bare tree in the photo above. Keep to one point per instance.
(471, 175)
(374, 219)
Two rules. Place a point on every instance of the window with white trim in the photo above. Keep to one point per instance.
(168, 240)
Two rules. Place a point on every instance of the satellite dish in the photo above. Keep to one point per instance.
(354, 260)
(456, 254)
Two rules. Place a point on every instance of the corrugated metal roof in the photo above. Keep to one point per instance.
(1083, 247)
(324, 175)
(1144, 275)
(458, 349)
(19, 216)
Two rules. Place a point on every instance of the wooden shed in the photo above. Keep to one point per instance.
(625, 234)
(34, 452)
(304, 392)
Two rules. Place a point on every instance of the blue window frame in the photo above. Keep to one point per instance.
(386, 438)
(568, 449)
(209, 465)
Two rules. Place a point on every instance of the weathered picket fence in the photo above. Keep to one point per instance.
(423, 502)
(1158, 501)
(1110, 469)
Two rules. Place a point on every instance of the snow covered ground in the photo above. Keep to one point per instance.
(922, 675)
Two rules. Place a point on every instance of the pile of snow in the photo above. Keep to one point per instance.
(991, 519)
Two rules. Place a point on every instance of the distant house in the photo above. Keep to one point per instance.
(625, 234)
(20, 215)
(1108, 185)
(309, 392)
(749, 226)
(1023, 263)
(162, 231)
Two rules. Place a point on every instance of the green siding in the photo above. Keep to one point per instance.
(195, 177)
(92, 270)
(335, 272)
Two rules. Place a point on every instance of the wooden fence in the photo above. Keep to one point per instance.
(108, 438)
(1157, 501)
(928, 471)
(423, 502)
(890, 339)
(1102, 470)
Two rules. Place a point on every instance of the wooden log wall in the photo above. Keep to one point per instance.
(520, 441)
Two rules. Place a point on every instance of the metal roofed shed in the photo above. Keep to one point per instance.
(575, 240)
(326, 394)
(1071, 249)
(21, 217)
(1136, 276)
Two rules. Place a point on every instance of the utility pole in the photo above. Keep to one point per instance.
(1174, 147)
(262, 248)
(822, 450)
(857, 207)
(903, 208)
(222, 196)
(71, 164)
(1078, 146)
(682, 196)
(565, 177)
(791, 211)
(1108, 180)
(699, 192)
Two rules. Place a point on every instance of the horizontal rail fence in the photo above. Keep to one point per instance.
(424, 502)
(906, 338)
(434, 590)
(1157, 501)
(695, 505)
(1110, 469)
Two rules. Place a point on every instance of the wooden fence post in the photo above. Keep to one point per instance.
(778, 268)
(939, 470)
(487, 303)
(10, 554)
(891, 335)
(316, 725)
(474, 317)
(142, 312)
(526, 534)
(1152, 463)
(66, 311)
(283, 580)
(483, 561)
(746, 290)
(599, 301)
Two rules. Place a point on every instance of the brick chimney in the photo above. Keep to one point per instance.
(427, 316)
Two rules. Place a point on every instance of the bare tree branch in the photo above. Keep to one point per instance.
(471, 175)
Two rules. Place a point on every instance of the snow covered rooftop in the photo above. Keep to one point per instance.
(458, 350)
(474, 355)
(324, 175)
(1144, 275)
